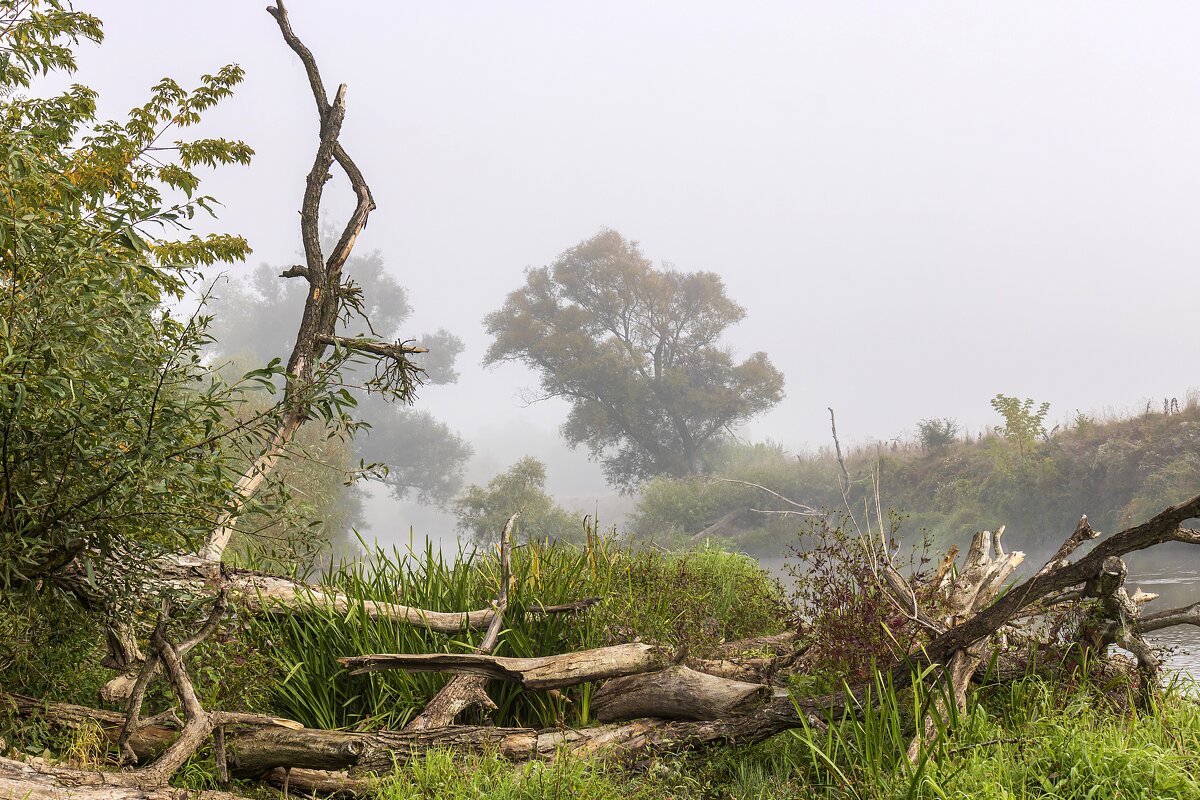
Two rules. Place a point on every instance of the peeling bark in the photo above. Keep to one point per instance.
(676, 693)
(545, 672)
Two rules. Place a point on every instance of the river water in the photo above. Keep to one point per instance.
(1177, 588)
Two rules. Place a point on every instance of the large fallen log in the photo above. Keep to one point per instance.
(148, 740)
(21, 780)
(544, 672)
(676, 693)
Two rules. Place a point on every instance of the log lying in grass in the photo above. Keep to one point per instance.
(545, 672)
(676, 693)
(31, 781)
(150, 738)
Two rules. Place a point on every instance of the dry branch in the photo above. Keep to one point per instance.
(467, 691)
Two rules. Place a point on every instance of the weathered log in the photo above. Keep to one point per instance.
(315, 782)
(256, 752)
(150, 738)
(774, 644)
(21, 780)
(760, 659)
(676, 693)
(544, 672)
(985, 569)
(1187, 615)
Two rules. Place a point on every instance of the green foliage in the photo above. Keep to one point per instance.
(636, 352)
(108, 418)
(50, 649)
(1118, 471)
(936, 433)
(310, 506)
(483, 511)
(448, 776)
(670, 512)
(697, 599)
(315, 690)
(1022, 425)
(1028, 739)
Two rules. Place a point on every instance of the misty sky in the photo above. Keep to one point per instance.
(920, 204)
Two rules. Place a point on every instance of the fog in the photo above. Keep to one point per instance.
(920, 205)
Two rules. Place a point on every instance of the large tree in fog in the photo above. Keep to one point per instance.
(636, 352)
(424, 457)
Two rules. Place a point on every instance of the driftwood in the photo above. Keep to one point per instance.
(545, 672)
(984, 572)
(676, 693)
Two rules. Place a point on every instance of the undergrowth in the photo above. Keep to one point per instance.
(699, 598)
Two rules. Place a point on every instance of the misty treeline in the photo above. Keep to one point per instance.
(635, 350)
(1021, 472)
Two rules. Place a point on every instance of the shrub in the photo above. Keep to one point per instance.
(483, 511)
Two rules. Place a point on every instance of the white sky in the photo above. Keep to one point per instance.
(919, 204)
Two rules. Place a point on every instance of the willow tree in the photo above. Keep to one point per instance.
(637, 353)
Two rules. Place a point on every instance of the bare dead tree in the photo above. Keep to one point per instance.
(325, 301)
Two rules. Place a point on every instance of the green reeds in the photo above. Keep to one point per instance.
(695, 598)
(315, 690)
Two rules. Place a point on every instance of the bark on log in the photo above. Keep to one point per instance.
(20, 780)
(315, 782)
(1187, 615)
(545, 672)
(676, 693)
(150, 738)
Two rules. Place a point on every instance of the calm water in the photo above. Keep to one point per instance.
(1175, 589)
(1179, 587)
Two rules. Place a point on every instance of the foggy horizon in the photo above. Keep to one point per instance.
(918, 207)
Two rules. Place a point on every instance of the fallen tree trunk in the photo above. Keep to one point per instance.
(20, 780)
(545, 672)
(147, 741)
(676, 693)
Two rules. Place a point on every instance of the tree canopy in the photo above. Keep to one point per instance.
(484, 510)
(109, 423)
(636, 352)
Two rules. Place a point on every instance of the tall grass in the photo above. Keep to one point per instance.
(1028, 739)
(315, 690)
(648, 595)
